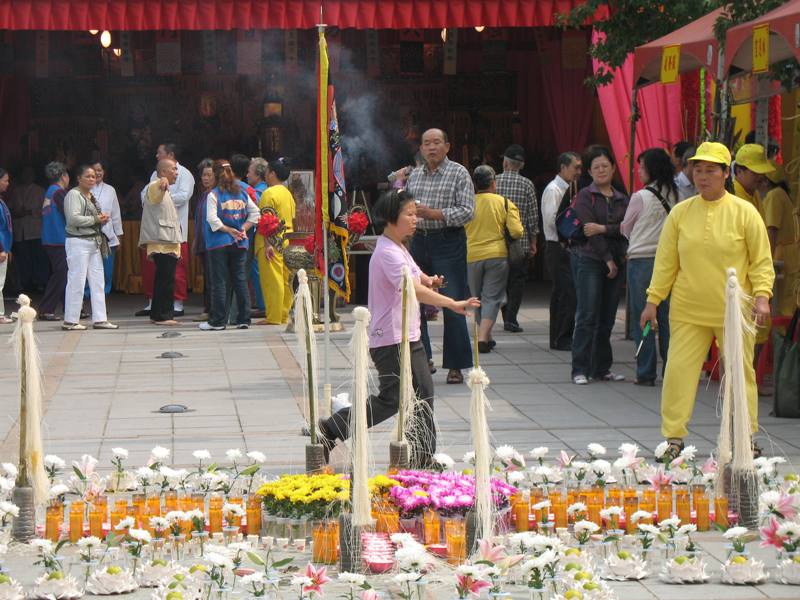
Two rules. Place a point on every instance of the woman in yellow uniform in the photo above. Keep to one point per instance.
(703, 237)
(783, 229)
(273, 272)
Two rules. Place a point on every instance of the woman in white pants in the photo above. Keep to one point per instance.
(85, 247)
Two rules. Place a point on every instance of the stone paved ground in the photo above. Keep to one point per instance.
(103, 389)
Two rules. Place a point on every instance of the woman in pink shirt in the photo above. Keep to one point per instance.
(398, 211)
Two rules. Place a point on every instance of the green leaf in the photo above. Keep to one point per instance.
(173, 585)
(282, 563)
(212, 468)
(488, 563)
(256, 559)
(251, 470)
(60, 545)
(79, 473)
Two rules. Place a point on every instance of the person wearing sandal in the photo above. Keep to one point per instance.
(86, 246)
(596, 263)
(487, 253)
(6, 240)
(703, 237)
(644, 219)
(398, 211)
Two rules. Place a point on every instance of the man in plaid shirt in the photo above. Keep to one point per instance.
(445, 203)
(520, 191)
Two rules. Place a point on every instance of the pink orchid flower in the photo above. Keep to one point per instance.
(368, 595)
(787, 505)
(318, 579)
(769, 535)
(489, 552)
(467, 585)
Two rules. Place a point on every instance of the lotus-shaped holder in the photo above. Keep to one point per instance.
(684, 569)
(158, 572)
(64, 587)
(623, 566)
(111, 580)
(590, 590)
(190, 590)
(789, 570)
(10, 589)
(742, 570)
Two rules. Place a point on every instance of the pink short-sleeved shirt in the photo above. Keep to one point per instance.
(385, 294)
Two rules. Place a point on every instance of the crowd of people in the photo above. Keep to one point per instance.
(80, 229)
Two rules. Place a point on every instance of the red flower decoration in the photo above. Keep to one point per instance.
(357, 223)
(310, 245)
(268, 225)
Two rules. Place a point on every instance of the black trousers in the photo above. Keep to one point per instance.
(162, 308)
(57, 284)
(517, 275)
(385, 404)
(562, 297)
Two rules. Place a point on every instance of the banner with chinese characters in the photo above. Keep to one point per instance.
(126, 58)
(42, 53)
(670, 63)
(248, 52)
(450, 51)
(290, 49)
(761, 48)
(168, 53)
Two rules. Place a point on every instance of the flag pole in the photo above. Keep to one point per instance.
(325, 283)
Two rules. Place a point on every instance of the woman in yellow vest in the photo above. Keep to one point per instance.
(783, 228)
(703, 237)
(273, 272)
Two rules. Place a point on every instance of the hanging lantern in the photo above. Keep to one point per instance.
(105, 39)
(444, 35)
(93, 31)
(117, 52)
(480, 28)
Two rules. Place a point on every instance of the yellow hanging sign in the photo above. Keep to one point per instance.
(761, 48)
(670, 63)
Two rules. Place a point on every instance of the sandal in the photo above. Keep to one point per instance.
(671, 453)
(4, 320)
(455, 376)
(431, 367)
(611, 377)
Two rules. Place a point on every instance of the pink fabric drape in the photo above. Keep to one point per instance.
(660, 122)
(568, 99)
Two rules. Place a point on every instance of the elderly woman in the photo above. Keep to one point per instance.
(107, 199)
(703, 237)
(86, 246)
(487, 252)
(595, 267)
(6, 240)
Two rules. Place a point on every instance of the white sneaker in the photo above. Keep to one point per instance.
(208, 327)
(580, 380)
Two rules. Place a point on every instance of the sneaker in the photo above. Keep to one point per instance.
(104, 325)
(580, 380)
(209, 327)
(67, 326)
(243, 326)
(201, 317)
(611, 377)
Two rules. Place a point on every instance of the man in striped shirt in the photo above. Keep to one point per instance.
(445, 203)
(519, 190)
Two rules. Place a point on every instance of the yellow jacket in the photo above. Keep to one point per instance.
(485, 238)
(279, 198)
(754, 198)
(699, 242)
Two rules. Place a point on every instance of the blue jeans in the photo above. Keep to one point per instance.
(640, 270)
(445, 253)
(598, 300)
(228, 274)
(108, 272)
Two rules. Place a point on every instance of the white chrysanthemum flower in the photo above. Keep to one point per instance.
(140, 535)
(539, 562)
(145, 473)
(538, 453)
(58, 489)
(541, 505)
(201, 454)
(252, 578)
(689, 452)
(52, 461)
(234, 510)
(515, 477)
(492, 572)
(159, 523)
(195, 513)
(601, 467)
(160, 453)
(119, 452)
(174, 516)
(44, 546)
(473, 571)
(687, 529)
(233, 454)
(257, 457)
(648, 528)
(355, 579)
(8, 509)
(125, 523)
(299, 580)
(443, 460)
(639, 515)
(402, 539)
(575, 508)
(611, 511)
(661, 449)
(629, 449)
(219, 560)
(10, 469)
(469, 458)
(402, 578)
(673, 522)
(734, 532)
(586, 526)
(596, 449)
(789, 529)
(91, 541)
(412, 557)
(505, 453)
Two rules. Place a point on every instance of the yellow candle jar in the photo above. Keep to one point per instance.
(253, 515)
(721, 511)
(683, 507)
(96, 523)
(701, 510)
(521, 514)
(665, 502)
(431, 527)
(52, 524)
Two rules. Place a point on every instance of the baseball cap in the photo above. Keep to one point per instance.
(515, 152)
(777, 174)
(753, 157)
(713, 152)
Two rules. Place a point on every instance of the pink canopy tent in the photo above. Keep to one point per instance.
(784, 38)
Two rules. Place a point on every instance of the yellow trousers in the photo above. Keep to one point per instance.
(688, 347)
(276, 288)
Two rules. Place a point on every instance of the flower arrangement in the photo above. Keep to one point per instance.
(269, 224)
(469, 581)
(357, 222)
(305, 496)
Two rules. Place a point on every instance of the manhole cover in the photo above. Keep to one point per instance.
(170, 334)
(171, 355)
(174, 408)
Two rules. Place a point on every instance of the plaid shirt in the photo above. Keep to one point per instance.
(449, 188)
(520, 190)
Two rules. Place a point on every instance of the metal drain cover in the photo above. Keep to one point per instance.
(171, 355)
(173, 408)
(170, 334)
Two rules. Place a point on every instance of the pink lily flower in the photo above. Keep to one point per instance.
(491, 553)
(710, 466)
(465, 583)
(660, 478)
(318, 579)
(565, 459)
(769, 535)
(368, 595)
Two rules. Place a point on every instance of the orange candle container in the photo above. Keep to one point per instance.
(116, 517)
(683, 507)
(456, 539)
(52, 524)
(154, 505)
(521, 514)
(171, 501)
(648, 502)
(76, 521)
(96, 523)
(253, 515)
(593, 512)
(703, 520)
(330, 552)
(631, 506)
(721, 511)
(560, 514)
(665, 502)
(614, 496)
(432, 527)
(186, 503)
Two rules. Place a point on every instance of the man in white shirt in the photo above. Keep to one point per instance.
(181, 192)
(557, 259)
(684, 180)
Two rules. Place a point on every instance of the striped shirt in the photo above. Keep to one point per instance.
(449, 188)
(521, 191)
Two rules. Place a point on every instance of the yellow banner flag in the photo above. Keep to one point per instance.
(670, 63)
(761, 48)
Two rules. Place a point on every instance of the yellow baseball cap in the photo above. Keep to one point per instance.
(713, 152)
(754, 158)
(777, 174)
